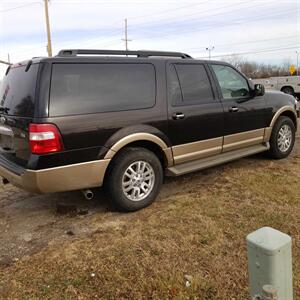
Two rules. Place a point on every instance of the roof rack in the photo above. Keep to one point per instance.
(142, 54)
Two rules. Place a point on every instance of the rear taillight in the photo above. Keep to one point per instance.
(44, 138)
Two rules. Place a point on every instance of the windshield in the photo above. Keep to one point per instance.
(17, 91)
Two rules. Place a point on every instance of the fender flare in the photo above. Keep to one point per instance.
(141, 136)
(280, 111)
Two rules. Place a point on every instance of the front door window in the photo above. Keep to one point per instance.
(233, 85)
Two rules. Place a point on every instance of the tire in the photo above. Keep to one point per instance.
(288, 90)
(132, 196)
(277, 150)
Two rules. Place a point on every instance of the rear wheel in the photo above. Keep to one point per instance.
(282, 138)
(134, 179)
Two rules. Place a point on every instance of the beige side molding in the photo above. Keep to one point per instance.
(243, 139)
(195, 150)
(141, 136)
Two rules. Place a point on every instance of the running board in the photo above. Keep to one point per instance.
(215, 160)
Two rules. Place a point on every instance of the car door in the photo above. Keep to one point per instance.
(245, 116)
(195, 115)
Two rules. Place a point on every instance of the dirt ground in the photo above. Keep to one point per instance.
(189, 244)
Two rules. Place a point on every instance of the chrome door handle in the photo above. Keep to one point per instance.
(178, 116)
(233, 109)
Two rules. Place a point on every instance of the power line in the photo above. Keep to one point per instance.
(170, 10)
(241, 21)
(20, 6)
(170, 21)
(252, 52)
(244, 43)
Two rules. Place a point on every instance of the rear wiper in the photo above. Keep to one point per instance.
(4, 109)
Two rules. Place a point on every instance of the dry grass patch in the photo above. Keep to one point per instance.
(198, 228)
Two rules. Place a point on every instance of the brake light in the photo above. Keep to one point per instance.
(44, 138)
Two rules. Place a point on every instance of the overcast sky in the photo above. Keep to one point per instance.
(260, 30)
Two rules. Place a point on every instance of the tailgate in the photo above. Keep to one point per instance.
(17, 103)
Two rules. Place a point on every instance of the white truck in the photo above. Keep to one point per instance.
(287, 84)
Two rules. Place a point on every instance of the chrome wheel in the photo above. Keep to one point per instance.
(138, 181)
(285, 137)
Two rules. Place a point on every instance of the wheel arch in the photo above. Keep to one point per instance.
(145, 140)
(287, 86)
(285, 111)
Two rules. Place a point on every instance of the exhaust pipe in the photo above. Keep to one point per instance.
(88, 194)
(5, 181)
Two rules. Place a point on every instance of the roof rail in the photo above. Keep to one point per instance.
(140, 53)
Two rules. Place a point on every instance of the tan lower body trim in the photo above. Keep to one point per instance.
(202, 149)
(243, 139)
(169, 156)
(59, 179)
(267, 135)
(196, 150)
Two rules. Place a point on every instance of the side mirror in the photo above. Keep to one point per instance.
(259, 90)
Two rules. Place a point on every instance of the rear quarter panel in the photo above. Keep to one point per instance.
(89, 137)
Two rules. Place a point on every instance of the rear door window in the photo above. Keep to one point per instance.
(194, 83)
(17, 91)
(91, 88)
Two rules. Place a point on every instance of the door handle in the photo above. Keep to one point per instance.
(178, 116)
(233, 109)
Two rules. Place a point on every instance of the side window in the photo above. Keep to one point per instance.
(91, 88)
(232, 84)
(194, 83)
(174, 88)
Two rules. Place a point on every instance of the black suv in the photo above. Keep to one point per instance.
(123, 119)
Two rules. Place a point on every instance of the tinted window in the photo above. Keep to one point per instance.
(174, 87)
(194, 83)
(91, 88)
(17, 91)
(233, 84)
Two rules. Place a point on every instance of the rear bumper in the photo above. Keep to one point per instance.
(59, 179)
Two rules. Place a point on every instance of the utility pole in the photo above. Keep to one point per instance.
(8, 58)
(126, 36)
(209, 49)
(297, 65)
(49, 45)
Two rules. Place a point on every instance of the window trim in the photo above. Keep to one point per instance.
(219, 87)
(191, 103)
(103, 63)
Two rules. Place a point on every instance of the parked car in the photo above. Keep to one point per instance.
(124, 119)
(286, 84)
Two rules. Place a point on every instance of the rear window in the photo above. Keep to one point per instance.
(17, 91)
(92, 88)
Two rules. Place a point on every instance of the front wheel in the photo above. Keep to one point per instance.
(134, 179)
(282, 138)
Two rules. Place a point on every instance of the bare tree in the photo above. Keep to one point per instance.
(254, 70)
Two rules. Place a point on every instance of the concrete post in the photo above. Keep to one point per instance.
(270, 264)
